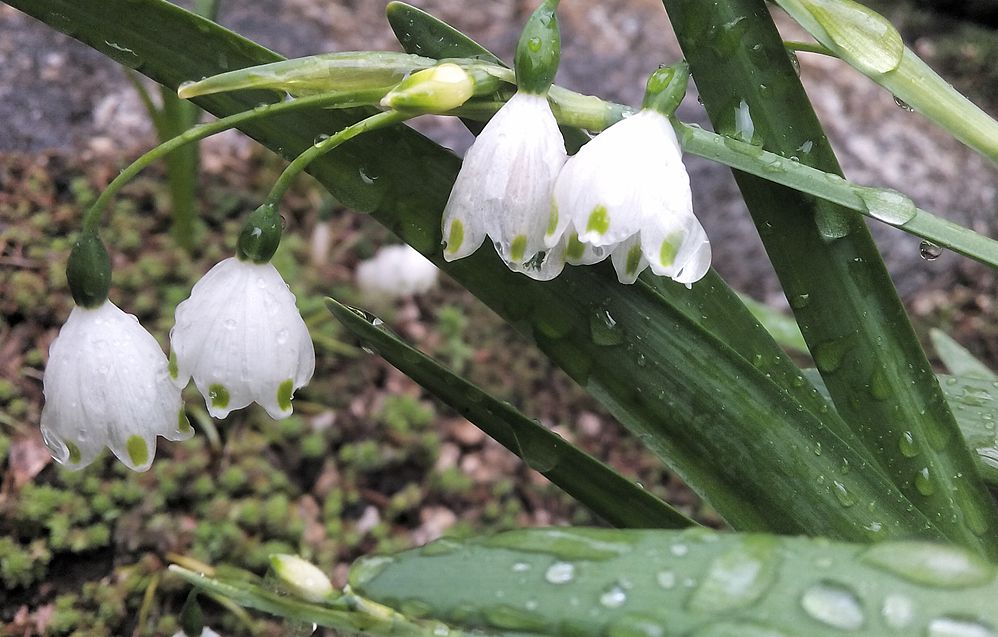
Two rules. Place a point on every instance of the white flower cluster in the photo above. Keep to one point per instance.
(625, 194)
(108, 383)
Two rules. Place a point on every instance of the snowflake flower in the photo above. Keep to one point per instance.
(106, 383)
(241, 338)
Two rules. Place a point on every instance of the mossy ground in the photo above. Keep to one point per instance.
(367, 463)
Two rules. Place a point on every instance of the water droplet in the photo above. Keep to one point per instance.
(510, 618)
(880, 387)
(534, 44)
(958, 627)
(800, 301)
(842, 494)
(929, 564)
(604, 328)
(739, 576)
(834, 605)
(828, 355)
(887, 205)
(679, 550)
(560, 573)
(817, 448)
(929, 251)
(282, 337)
(897, 611)
(906, 445)
(635, 626)
(366, 177)
(229, 324)
(666, 579)
(794, 62)
(923, 482)
(903, 105)
(614, 597)
(319, 139)
(521, 567)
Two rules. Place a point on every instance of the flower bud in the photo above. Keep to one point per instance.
(301, 578)
(438, 89)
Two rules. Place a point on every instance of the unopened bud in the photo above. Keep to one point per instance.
(666, 88)
(437, 89)
(301, 578)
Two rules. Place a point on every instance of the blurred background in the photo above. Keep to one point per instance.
(368, 462)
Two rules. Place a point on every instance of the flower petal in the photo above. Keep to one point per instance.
(106, 383)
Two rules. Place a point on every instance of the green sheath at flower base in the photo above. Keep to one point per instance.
(539, 50)
(440, 88)
(89, 271)
(666, 88)
(261, 235)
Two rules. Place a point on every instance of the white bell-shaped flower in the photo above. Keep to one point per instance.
(394, 272)
(241, 338)
(106, 383)
(504, 188)
(628, 193)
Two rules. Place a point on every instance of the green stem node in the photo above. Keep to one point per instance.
(89, 271)
(539, 50)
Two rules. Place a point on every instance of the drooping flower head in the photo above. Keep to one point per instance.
(627, 194)
(504, 188)
(106, 381)
(240, 335)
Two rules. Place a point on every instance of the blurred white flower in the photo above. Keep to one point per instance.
(241, 338)
(627, 193)
(504, 188)
(106, 383)
(205, 632)
(394, 272)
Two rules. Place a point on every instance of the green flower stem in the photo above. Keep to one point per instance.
(347, 613)
(921, 88)
(92, 218)
(869, 43)
(893, 208)
(301, 162)
(832, 273)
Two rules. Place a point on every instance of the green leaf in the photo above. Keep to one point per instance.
(599, 582)
(607, 493)
(974, 402)
(847, 308)
(651, 352)
(957, 359)
(784, 328)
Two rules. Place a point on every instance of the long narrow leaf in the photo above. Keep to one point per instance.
(752, 450)
(607, 493)
(598, 582)
(834, 278)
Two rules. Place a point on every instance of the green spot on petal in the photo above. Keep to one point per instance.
(183, 424)
(517, 248)
(553, 218)
(670, 247)
(172, 366)
(575, 248)
(456, 236)
(284, 394)
(218, 395)
(138, 452)
(599, 220)
(633, 259)
(74, 453)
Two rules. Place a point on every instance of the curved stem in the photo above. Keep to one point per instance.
(301, 162)
(91, 219)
